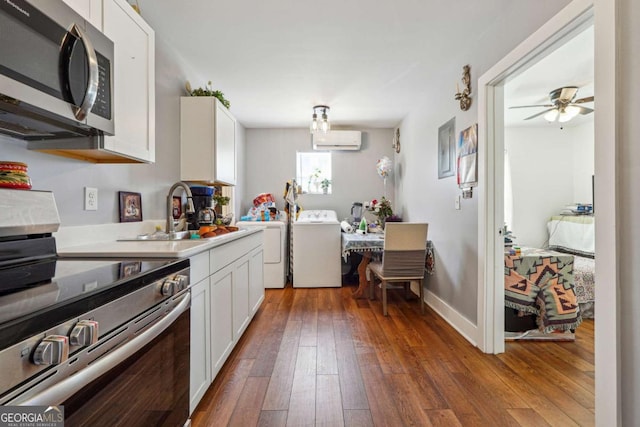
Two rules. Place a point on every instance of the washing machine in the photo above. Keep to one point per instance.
(316, 250)
(275, 251)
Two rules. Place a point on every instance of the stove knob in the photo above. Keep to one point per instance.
(52, 350)
(169, 287)
(182, 280)
(84, 333)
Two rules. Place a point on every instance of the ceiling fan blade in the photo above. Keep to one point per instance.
(539, 114)
(584, 110)
(568, 93)
(583, 100)
(529, 106)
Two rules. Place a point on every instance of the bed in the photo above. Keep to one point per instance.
(575, 235)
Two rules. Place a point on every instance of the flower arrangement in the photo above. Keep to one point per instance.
(382, 209)
(207, 91)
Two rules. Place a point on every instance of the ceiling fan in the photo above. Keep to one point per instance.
(563, 106)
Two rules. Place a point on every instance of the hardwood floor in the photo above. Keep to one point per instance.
(319, 357)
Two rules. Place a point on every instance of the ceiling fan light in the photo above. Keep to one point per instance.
(552, 115)
(572, 111)
(564, 118)
(568, 113)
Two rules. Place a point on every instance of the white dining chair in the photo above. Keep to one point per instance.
(403, 260)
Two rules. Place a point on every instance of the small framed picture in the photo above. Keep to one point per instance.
(177, 207)
(130, 206)
(130, 268)
(446, 149)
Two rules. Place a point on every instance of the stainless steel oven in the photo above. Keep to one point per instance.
(106, 339)
(112, 350)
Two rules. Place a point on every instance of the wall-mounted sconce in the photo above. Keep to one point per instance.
(396, 141)
(465, 96)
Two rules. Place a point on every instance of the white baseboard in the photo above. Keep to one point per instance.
(460, 323)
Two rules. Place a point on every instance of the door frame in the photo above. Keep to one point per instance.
(490, 337)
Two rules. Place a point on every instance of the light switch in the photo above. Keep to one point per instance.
(458, 202)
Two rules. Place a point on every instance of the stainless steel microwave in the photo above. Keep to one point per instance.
(56, 73)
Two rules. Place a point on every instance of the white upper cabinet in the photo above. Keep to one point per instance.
(91, 10)
(207, 141)
(134, 81)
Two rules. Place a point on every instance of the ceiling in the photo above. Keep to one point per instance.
(370, 62)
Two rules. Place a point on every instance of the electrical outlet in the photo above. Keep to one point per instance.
(90, 199)
(458, 202)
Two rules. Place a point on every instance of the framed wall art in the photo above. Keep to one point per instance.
(130, 206)
(467, 160)
(447, 149)
(177, 207)
(130, 268)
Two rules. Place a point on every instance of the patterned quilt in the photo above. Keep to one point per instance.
(541, 283)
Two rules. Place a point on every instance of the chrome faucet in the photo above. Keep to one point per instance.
(171, 229)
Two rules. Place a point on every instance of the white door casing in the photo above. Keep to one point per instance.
(575, 17)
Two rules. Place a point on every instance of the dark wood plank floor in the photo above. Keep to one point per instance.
(319, 357)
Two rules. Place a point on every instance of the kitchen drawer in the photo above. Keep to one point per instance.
(224, 255)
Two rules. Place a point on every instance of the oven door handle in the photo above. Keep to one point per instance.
(66, 388)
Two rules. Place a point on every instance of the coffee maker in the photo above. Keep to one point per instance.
(203, 204)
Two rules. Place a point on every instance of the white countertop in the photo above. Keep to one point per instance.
(152, 249)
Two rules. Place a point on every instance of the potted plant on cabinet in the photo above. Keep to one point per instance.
(207, 91)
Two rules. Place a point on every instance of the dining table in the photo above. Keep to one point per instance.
(371, 245)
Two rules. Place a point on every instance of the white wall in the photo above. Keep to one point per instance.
(550, 169)
(583, 162)
(271, 162)
(421, 195)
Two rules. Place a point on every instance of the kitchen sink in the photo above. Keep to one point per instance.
(159, 236)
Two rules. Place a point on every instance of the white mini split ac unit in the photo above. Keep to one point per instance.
(337, 140)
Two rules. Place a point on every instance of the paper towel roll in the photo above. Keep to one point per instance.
(346, 227)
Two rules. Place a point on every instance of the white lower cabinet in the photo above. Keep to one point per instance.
(200, 368)
(256, 279)
(222, 336)
(240, 296)
(228, 291)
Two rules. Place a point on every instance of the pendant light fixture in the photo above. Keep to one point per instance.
(322, 124)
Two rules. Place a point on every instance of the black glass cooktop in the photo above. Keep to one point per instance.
(48, 291)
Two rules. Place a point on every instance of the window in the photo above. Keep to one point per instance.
(313, 172)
